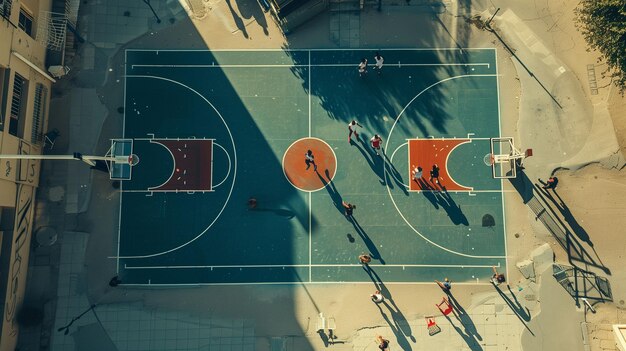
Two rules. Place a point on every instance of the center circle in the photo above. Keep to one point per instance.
(314, 176)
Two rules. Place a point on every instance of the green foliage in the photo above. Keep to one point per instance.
(603, 24)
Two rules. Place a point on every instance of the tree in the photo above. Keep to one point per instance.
(603, 24)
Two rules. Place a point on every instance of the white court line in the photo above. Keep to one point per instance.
(229, 165)
(399, 64)
(314, 49)
(389, 189)
(298, 283)
(501, 180)
(153, 141)
(310, 239)
(391, 161)
(234, 169)
(355, 265)
(119, 223)
(183, 191)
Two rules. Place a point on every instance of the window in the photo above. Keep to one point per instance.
(5, 8)
(18, 106)
(26, 22)
(41, 95)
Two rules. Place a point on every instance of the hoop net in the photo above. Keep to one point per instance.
(133, 160)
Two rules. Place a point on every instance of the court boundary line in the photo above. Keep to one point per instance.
(119, 221)
(398, 64)
(234, 169)
(298, 283)
(397, 119)
(316, 49)
(506, 261)
(303, 265)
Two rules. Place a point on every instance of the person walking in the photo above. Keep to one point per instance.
(310, 159)
(352, 129)
(349, 208)
(550, 184)
(383, 344)
(375, 142)
(363, 67)
(379, 62)
(497, 278)
(377, 297)
(434, 174)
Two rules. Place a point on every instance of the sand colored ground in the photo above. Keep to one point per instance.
(582, 142)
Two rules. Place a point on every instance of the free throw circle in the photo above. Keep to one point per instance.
(295, 167)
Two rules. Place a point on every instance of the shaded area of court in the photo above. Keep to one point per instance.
(254, 105)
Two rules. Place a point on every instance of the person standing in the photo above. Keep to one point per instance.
(363, 67)
(434, 174)
(417, 174)
(377, 297)
(352, 129)
(551, 183)
(310, 159)
(375, 142)
(349, 208)
(379, 62)
(497, 278)
(383, 343)
(365, 259)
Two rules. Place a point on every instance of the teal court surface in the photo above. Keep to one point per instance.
(213, 129)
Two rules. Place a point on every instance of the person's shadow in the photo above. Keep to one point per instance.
(238, 21)
(398, 323)
(521, 311)
(462, 316)
(427, 191)
(366, 239)
(375, 162)
(468, 338)
(569, 217)
(454, 211)
(329, 185)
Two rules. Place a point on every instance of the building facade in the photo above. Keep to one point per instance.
(25, 87)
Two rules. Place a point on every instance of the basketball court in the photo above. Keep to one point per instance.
(213, 129)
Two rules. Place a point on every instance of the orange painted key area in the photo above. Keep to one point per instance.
(294, 166)
(427, 152)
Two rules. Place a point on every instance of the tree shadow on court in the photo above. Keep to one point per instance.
(538, 200)
(450, 206)
(373, 250)
(280, 212)
(398, 323)
(329, 185)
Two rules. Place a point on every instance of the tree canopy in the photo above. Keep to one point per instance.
(603, 24)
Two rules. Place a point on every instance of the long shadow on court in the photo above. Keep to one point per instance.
(450, 206)
(469, 339)
(395, 175)
(520, 311)
(374, 161)
(398, 323)
(329, 185)
(366, 239)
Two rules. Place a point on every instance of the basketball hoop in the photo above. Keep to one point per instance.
(133, 160)
(489, 159)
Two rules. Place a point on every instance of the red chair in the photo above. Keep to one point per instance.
(448, 307)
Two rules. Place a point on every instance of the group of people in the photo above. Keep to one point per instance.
(378, 66)
(418, 174)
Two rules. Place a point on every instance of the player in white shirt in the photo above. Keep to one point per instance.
(379, 62)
